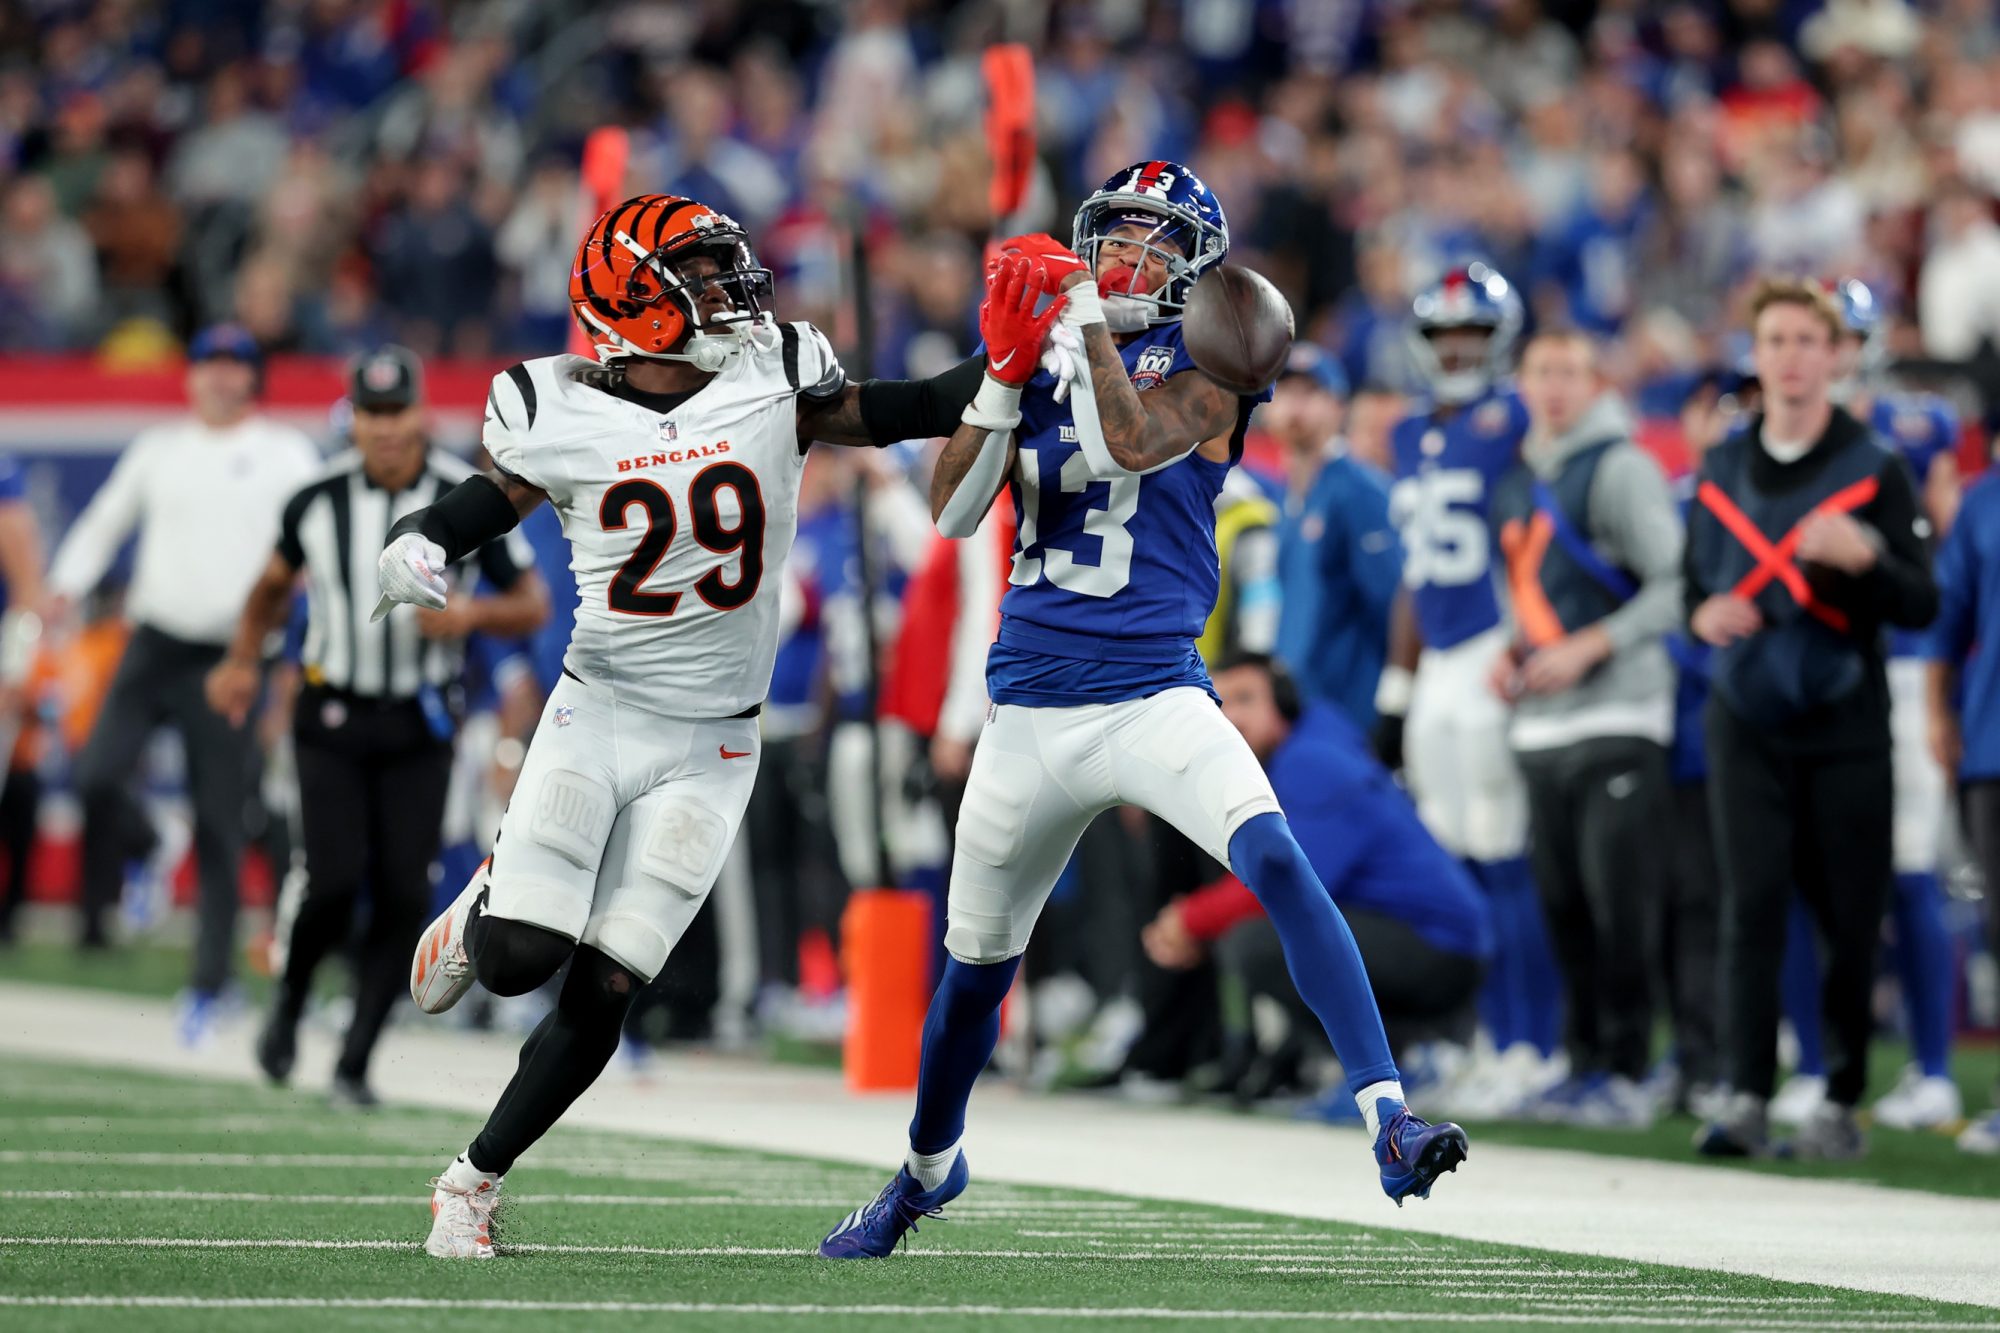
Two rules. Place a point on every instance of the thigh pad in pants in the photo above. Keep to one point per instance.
(665, 853)
(1016, 829)
(1177, 756)
(551, 842)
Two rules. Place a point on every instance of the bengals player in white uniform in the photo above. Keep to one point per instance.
(674, 461)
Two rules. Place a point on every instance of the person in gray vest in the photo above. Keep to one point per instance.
(1804, 542)
(1591, 545)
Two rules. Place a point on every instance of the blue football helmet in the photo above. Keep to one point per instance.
(1862, 314)
(1471, 296)
(1187, 229)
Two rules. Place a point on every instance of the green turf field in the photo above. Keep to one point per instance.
(139, 1201)
(1895, 1159)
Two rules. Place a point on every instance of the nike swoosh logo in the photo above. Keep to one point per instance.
(1001, 364)
(728, 753)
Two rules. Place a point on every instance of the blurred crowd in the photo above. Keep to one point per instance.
(333, 174)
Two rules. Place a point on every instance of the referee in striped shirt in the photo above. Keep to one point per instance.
(374, 721)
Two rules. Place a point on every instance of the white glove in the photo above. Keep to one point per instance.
(1063, 356)
(411, 569)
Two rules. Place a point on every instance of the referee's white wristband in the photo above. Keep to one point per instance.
(1083, 306)
(996, 407)
(1393, 691)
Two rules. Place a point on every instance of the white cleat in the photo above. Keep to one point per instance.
(462, 1219)
(1798, 1099)
(1918, 1102)
(441, 972)
(1982, 1136)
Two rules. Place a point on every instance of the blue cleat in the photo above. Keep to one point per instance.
(873, 1230)
(1413, 1153)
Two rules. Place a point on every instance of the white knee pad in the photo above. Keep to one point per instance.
(983, 920)
(680, 853)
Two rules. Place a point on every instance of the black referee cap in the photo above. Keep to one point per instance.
(388, 379)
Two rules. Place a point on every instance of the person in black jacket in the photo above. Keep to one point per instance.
(1804, 541)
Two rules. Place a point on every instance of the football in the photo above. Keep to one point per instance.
(1238, 328)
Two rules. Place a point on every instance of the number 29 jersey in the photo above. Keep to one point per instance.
(1112, 580)
(678, 521)
(1446, 466)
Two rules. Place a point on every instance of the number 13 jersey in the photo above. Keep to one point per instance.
(1112, 581)
(677, 520)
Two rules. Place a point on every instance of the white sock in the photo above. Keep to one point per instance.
(930, 1169)
(463, 1175)
(1373, 1093)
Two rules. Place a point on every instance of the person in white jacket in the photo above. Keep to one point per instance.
(204, 495)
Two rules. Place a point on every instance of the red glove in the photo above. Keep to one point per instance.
(1008, 322)
(1055, 257)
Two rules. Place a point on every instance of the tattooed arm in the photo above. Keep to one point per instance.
(1144, 431)
(835, 420)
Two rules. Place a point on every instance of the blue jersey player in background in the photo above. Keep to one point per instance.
(1924, 429)
(1448, 454)
(1113, 462)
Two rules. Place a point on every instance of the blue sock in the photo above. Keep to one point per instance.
(960, 1032)
(1499, 1008)
(1924, 964)
(1319, 949)
(1799, 982)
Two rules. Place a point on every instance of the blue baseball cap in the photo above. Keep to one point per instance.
(1312, 361)
(226, 341)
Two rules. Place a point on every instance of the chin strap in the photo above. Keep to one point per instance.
(706, 352)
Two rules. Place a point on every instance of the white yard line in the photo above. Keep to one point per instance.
(702, 1251)
(1837, 1234)
(1065, 1314)
(416, 1199)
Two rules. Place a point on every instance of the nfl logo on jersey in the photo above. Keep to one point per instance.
(667, 432)
(565, 714)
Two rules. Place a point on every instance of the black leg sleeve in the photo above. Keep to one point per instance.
(563, 1057)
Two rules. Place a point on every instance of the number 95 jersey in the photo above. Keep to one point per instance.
(677, 520)
(1445, 470)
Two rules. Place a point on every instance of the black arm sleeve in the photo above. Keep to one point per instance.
(463, 519)
(498, 566)
(896, 410)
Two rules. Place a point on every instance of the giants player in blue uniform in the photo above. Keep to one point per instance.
(1099, 698)
(1924, 429)
(1444, 634)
